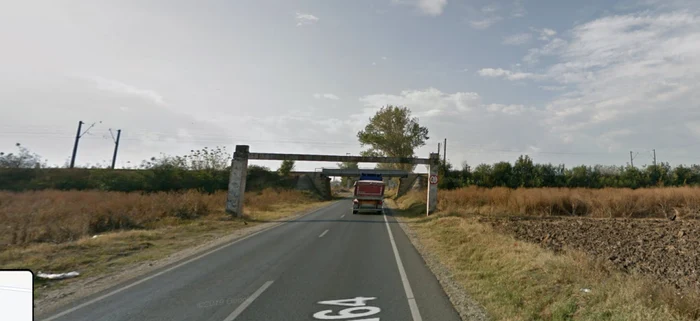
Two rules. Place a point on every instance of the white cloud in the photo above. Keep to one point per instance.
(432, 7)
(506, 109)
(468, 123)
(545, 33)
(383, 58)
(118, 87)
(326, 96)
(553, 88)
(517, 39)
(427, 7)
(485, 23)
(508, 74)
(636, 72)
(305, 19)
(490, 8)
(427, 102)
(518, 9)
(555, 46)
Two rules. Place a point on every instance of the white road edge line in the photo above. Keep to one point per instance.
(322, 234)
(56, 316)
(404, 279)
(248, 301)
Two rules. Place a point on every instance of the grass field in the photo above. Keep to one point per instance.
(99, 233)
(519, 280)
(606, 202)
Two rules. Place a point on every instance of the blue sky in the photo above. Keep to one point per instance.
(563, 81)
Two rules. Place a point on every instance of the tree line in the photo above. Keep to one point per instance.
(206, 169)
(391, 132)
(525, 173)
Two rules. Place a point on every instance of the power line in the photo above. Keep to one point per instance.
(240, 140)
(213, 138)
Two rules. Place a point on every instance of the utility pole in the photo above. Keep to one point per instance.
(654, 150)
(444, 154)
(116, 146)
(78, 135)
(439, 148)
(75, 146)
(632, 158)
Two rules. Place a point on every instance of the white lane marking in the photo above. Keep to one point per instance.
(177, 266)
(322, 234)
(404, 279)
(248, 301)
(341, 216)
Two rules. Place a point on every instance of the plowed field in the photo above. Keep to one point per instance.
(667, 250)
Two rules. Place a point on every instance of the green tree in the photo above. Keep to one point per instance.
(483, 175)
(631, 177)
(346, 181)
(24, 158)
(682, 175)
(524, 172)
(449, 177)
(545, 175)
(502, 175)
(215, 159)
(392, 132)
(466, 174)
(579, 176)
(286, 167)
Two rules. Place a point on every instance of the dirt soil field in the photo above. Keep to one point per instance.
(667, 250)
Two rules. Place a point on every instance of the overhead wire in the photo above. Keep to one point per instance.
(141, 135)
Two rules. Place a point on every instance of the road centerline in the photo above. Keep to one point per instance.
(248, 301)
(404, 279)
(324, 233)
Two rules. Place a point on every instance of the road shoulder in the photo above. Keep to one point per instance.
(466, 307)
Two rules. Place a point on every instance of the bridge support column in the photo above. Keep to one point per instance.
(236, 182)
(432, 201)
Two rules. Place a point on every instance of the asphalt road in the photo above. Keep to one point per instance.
(328, 265)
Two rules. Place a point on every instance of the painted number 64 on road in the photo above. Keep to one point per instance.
(358, 308)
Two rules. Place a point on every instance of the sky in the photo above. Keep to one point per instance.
(569, 82)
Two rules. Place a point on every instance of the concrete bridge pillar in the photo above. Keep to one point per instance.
(236, 182)
(406, 183)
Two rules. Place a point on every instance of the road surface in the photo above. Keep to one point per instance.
(327, 265)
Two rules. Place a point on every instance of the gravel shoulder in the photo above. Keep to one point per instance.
(467, 308)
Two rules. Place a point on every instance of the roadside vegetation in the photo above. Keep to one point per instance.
(518, 278)
(96, 232)
(206, 170)
(602, 203)
(97, 221)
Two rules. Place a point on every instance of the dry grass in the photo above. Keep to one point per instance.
(607, 202)
(522, 281)
(64, 216)
(52, 231)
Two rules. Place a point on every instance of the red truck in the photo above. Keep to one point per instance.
(368, 197)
